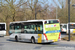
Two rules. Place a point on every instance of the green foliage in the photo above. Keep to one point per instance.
(63, 13)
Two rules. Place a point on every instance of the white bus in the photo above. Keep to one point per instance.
(64, 28)
(2, 29)
(35, 31)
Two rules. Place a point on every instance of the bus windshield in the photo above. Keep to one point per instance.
(72, 26)
(2, 26)
(65, 26)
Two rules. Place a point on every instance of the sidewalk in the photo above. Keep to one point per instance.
(68, 42)
(6, 36)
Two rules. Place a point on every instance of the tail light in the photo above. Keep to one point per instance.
(45, 22)
(59, 36)
(62, 29)
(58, 20)
(45, 36)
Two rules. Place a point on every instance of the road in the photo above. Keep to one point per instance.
(6, 44)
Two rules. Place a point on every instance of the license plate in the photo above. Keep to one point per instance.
(55, 40)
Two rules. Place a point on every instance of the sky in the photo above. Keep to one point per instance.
(51, 2)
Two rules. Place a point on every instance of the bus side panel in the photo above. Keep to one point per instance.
(29, 36)
(39, 38)
(12, 36)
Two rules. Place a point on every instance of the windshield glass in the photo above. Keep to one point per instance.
(2, 26)
(65, 26)
(72, 26)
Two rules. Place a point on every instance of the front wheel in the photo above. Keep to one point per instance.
(33, 40)
(16, 39)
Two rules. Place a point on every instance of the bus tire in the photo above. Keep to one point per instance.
(16, 38)
(33, 40)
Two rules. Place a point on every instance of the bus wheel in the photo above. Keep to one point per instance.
(16, 39)
(33, 40)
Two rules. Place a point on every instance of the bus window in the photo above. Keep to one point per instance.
(40, 29)
(65, 26)
(72, 26)
(33, 29)
(26, 28)
(17, 27)
(2, 26)
(12, 27)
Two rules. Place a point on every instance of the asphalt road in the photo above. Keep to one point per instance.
(6, 44)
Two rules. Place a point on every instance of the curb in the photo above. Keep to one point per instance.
(70, 42)
(6, 36)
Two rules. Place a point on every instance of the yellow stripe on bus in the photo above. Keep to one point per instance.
(74, 31)
(39, 38)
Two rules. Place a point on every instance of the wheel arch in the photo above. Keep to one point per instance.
(32, 37)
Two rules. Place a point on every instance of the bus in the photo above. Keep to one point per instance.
(64, 28)
(2, 29)
(35, 31)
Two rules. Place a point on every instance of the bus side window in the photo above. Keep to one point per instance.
(22, 30)
(17, 27)
(32, 29)
(39, 29)
(27, 29)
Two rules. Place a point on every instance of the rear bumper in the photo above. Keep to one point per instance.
(2, 35)
(49, 41)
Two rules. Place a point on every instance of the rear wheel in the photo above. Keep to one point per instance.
(33, 40)
(16, 39)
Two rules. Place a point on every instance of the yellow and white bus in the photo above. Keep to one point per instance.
(2, 29)
(35, 31)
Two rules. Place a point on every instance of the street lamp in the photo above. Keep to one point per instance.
(68, 20)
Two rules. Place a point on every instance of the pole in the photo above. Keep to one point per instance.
(35, 8)
(56, 12)
(68, 20)
(35, 12)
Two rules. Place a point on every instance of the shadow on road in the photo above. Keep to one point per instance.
(1, 44)
(1, 36)
(10, 40)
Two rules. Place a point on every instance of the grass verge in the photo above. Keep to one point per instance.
(72, 37)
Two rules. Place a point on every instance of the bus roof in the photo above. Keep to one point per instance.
(32, 21)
